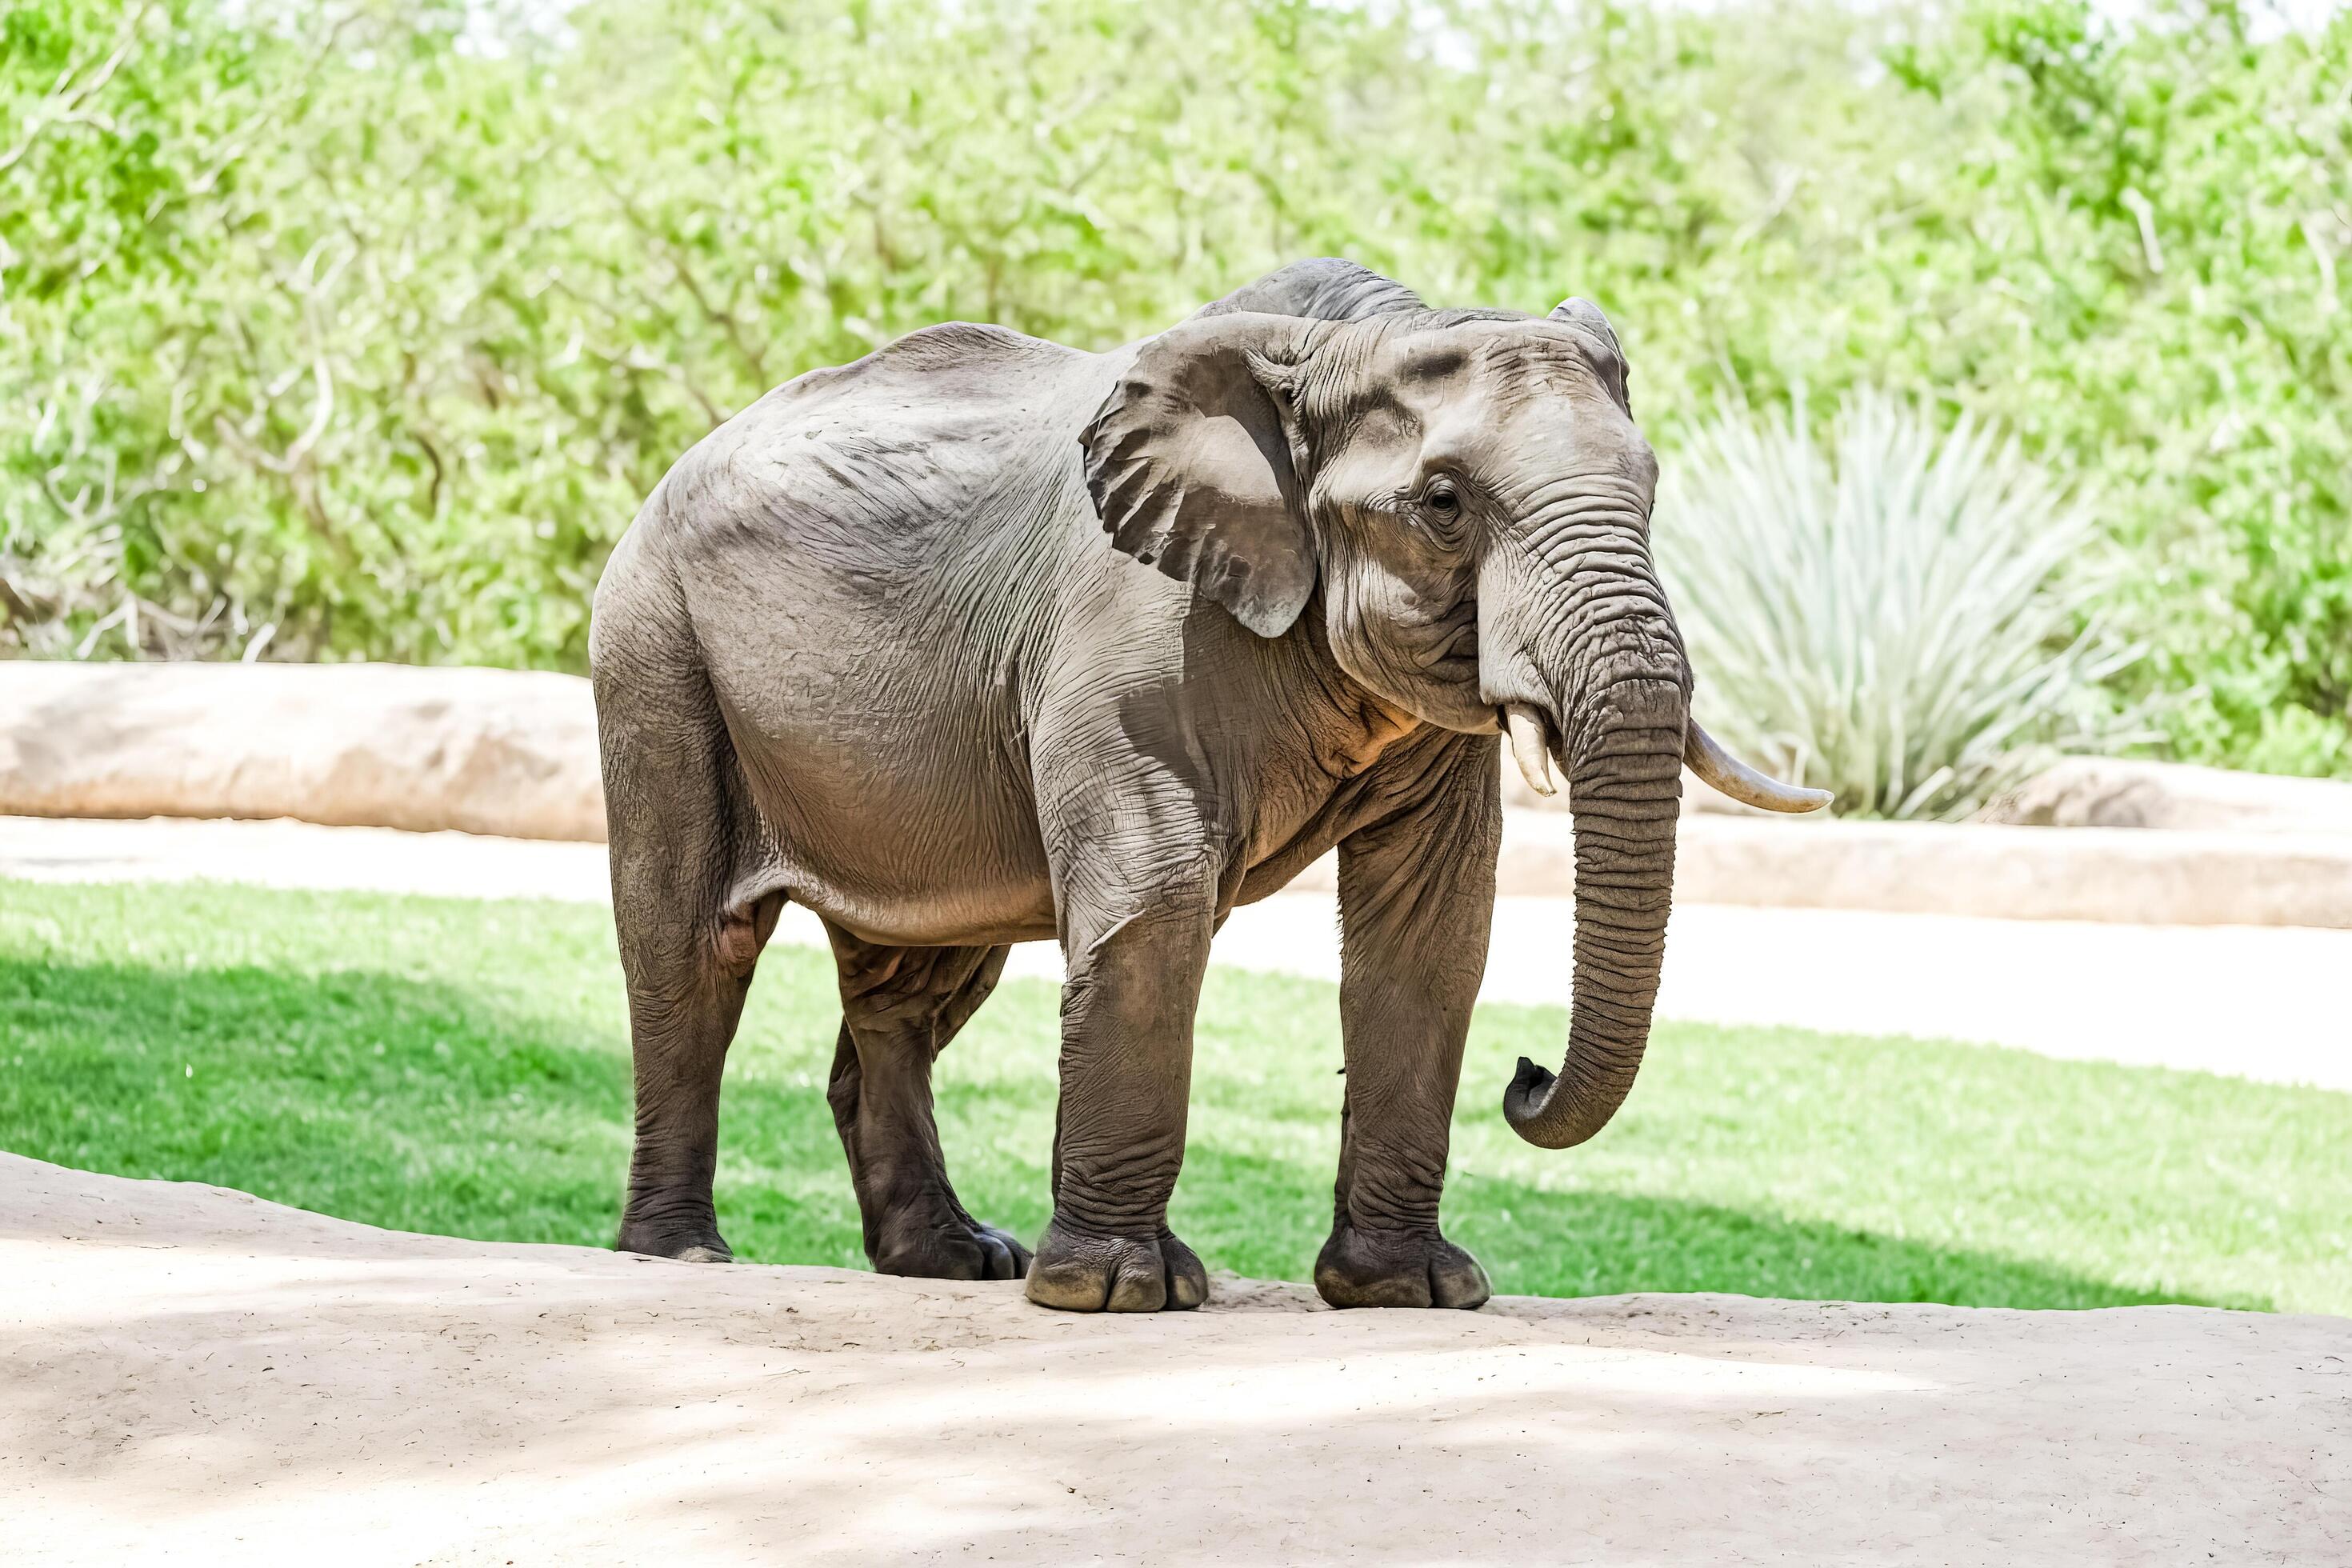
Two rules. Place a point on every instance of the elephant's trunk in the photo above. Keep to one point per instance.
(1624, 794)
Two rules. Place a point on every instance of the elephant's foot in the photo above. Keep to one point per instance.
(942, 1242)
(1396, 1268)
(692, 1241)
(1086, 1272)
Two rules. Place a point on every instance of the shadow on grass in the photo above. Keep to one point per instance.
(1538, 1242)
(417, 1105)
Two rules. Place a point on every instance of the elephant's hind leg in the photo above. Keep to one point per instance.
(900, 1007)
(694, 900)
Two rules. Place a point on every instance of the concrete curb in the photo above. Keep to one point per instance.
(2114, 874)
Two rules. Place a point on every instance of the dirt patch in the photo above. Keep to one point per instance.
(198, 1374)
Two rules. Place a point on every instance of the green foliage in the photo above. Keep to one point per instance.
(2157, 225)
(327, 331)
(1887, 615)
(463, 1067)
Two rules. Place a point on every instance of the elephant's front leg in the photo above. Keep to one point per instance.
(1416, 903)
(1127, 1068)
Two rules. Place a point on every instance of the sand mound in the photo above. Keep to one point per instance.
(194, 1375)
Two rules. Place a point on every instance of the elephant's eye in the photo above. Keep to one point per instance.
(1442, 499)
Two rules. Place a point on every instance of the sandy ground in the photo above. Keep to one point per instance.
(2255, 1002)
(195, 1375)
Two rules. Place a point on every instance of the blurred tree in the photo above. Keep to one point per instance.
(358, 328)
(2156, 221)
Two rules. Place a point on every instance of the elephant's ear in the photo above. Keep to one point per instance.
(1586, 317)
(1191, 464)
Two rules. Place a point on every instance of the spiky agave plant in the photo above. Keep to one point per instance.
(1899, 614)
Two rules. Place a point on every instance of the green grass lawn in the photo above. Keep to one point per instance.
(463, 1067)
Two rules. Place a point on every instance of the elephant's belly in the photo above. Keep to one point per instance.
(976, 916)
(925, 855)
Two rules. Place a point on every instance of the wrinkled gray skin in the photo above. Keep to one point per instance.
(868, 647)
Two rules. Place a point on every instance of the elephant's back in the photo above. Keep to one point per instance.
(951, 424)
(928, 477)
(866, 558)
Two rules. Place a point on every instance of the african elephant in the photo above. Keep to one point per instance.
(981, 639)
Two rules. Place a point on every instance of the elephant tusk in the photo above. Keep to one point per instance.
(1526, 732)
(1706, 757)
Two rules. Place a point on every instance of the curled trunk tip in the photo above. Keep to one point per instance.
(1524, 1097)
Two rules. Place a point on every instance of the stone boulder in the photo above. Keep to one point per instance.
(2101, 791)
(481, 751)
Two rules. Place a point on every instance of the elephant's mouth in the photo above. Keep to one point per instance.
(1429, 666)
(1449, 654)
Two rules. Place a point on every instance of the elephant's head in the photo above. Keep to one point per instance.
(1469, 492)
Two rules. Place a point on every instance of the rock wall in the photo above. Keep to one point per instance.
(514, 754)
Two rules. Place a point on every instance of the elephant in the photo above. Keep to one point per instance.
(981, 639)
